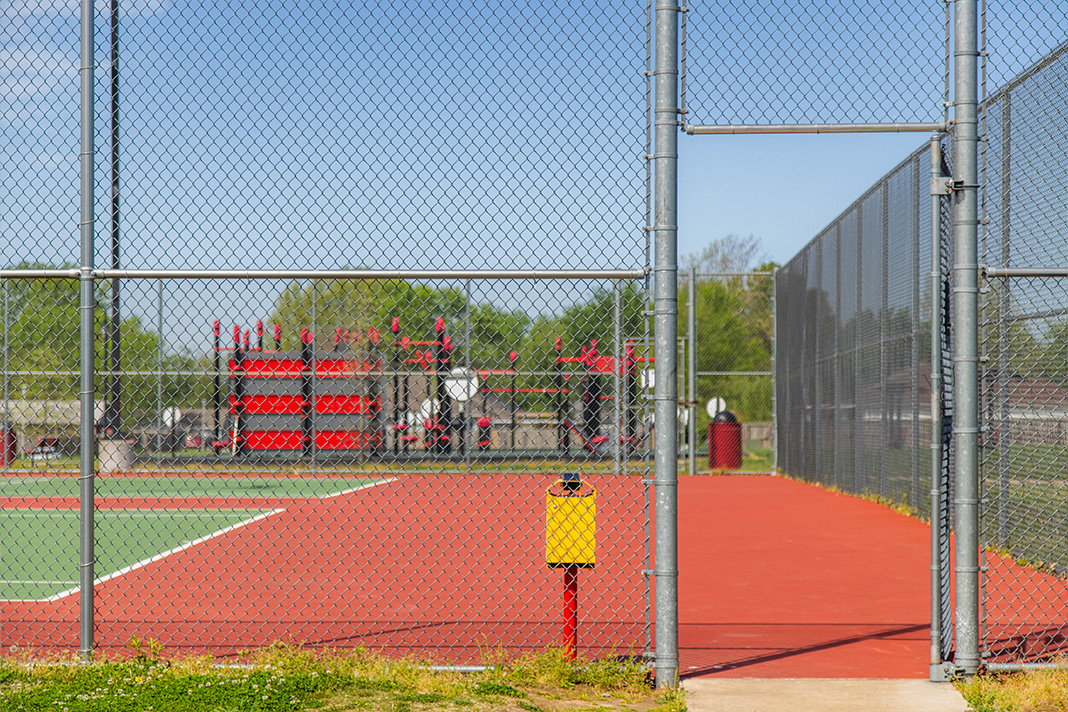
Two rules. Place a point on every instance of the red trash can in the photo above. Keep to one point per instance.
(8, 443)
(725, 442)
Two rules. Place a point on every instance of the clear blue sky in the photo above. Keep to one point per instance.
(782, 189)
(444, 134)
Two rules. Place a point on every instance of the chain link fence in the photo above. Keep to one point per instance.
(815, 63)
(1022, 322)
(853, 388)
(352, 447)
(854, 356)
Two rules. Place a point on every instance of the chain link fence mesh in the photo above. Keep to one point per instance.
(337, 462)
(798, 63)
(854, 357)
(1022, 323)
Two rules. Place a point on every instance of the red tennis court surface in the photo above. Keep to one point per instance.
(783, 579)
(443, 564)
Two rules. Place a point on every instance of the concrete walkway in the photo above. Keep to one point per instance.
(718, 694)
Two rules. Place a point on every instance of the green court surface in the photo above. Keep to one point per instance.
(39, 546)
(39, 556)
(157, 486)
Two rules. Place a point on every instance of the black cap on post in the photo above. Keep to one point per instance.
(571, 481)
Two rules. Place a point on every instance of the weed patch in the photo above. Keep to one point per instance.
(289, 677)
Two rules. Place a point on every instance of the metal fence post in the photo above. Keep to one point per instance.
(691, 371)
(774, 372)
(665, 311)
(937, 674)
(965, 302)
(86, 470)
(8, 420)
(1004, 313)
(617, 337)
(159, 371)
(917, 280)
(884, 345)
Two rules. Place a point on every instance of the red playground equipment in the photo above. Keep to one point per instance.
(365, 398)
(301, 401)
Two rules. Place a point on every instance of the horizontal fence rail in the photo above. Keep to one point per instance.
(321, 274)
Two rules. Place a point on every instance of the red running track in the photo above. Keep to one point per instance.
(784, 579)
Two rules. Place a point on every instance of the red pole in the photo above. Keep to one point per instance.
(571, 611)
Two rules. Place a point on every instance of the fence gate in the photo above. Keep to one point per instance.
(1024, 384)
(1024, 456)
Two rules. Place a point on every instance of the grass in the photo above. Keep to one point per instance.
(289, 677)
(1031, 691)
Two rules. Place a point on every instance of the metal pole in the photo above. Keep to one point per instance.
(884, 357)
(1004, 312)
(394, 329)
(937, 673)
(465, 406)
(917, 278)
(858, 384)
(570, 637)
(965, 301)
(739, 129)
(328, 274)
(691, 371)
(8, 422)
(618, 339)
(216, 389)
(312, 402)
(159, 368)
(113, 418)
(840, 429)
(774, 371)
(665, 324)
(86, 468)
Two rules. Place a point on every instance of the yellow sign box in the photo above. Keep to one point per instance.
(570, 526)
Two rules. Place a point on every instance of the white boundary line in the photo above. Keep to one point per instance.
(158, 557)
(369, 485)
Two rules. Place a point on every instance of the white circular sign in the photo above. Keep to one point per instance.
(428, 408)
(171, 416)
(461, 385)
(715, 406)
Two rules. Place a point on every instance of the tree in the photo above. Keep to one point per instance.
(359, 305)
(44, 346)
(729, 254)
(734, 324)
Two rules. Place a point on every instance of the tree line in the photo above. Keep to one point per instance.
(733, 317)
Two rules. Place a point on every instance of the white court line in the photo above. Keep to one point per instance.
(109, 513)
(158, 557)
(369, 485)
